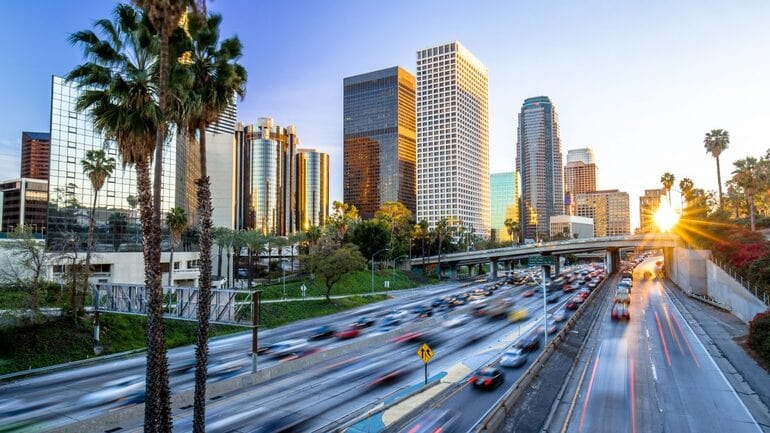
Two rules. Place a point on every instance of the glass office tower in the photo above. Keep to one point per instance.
(504, 199)
(379, 140)
(312, 188)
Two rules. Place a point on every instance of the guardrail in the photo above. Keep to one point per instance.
(761, 294)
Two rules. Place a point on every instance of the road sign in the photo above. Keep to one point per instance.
(387, 284)
(425, 353)
(542, 260)
(303, 288)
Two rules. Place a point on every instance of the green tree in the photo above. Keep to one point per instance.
(176, 221)
(399, 220)
(686, 186)
(255, 243)
(422, 232)
(343, 216)
(98, 167)
(716, 142)
(219, 237)
(667, 179)
(513, 227)
(442, 230)
(371, 236)
(27, 260)
(331, 264)
(748, 178)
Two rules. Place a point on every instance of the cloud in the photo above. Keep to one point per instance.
(9, 159)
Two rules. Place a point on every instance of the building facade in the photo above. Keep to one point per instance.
(648, 205)
(571, 227)
(539, 162)
(70, 195)
(380, 159)
(504, 201)
(312, 188)
(452, 138)
(24, 201)
(585, 155)
(609, 210)
(35, 155)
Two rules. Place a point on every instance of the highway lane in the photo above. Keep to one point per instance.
(651, 374)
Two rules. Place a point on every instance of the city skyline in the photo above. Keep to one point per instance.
(662, 73)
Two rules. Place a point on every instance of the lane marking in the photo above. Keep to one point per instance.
(588, 393)
(633, 397)
(663, 339)
(671, 327)
(686, 340)
(654, 371)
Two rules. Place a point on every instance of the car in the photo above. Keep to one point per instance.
(513, 358)
(398, 314)
(518, 315)
(572, 286)
(487, 378)
(573, 304)
(423, 311)
(129, 387)
(627, 281)
(553, 298)
(584, 293)
(457, 321)
(287, 347)
(435, 421)
(550, 327)
(389, 323)
(321, 332)
(528, 293)
(592, 284)
(348, 333)
(622, 296)
(363, 322)
(529, 342)
(620, 312)
(627, 274)
(559, 316)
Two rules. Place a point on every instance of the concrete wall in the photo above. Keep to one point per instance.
(688, 269)
(128, 267)
(725, 290)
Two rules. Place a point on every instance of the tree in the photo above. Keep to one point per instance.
(332, 263)
(421, 231)
(667, 179)
(399, 221)
(686, 186)
(254, 242)
(371, 236)
(219, 236)
(716, 142)
(118, 225)
(120, 93)
(747, 177)
(340, 220)
(441, 230)
(176, 221)
(513, 227)
(26, 263)
(98, 167)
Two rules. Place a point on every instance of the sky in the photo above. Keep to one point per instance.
(639, 82)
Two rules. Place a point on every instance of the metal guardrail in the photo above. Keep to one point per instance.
(761, 294)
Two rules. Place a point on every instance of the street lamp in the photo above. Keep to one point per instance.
(373, 256)
(394, 263)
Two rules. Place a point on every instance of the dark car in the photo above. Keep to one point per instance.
(620, 312)
(487, 378)
(322, 332)
(363, 322)
(529, 342)
(553, 298)
(434, 421)
(423, 311)
(573, 304)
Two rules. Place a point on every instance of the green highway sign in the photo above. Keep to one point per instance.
(542, 260)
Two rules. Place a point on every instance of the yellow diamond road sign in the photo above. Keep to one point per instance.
(425, 353)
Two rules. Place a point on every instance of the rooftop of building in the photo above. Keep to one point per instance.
(461, 50)
(536, 101)
(375, 75)
(36, 135)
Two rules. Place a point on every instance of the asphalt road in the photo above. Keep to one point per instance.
(652, 374)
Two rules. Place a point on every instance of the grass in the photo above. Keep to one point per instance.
(68, 340)
(357, 283)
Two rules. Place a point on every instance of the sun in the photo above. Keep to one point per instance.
(666, 217)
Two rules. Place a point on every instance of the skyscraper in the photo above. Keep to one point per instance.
(580, 171)
(648, 205)
(312, 188)
(35, 154)
(539, 163)
(23, 201)
(609, 210)
(452, 138)
(504, 198)
(379, 140)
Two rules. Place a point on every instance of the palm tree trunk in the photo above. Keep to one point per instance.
(219, 261)
(229, 268)
(89, 247)
(719, 181)
(204, 290)
(750, 199)
(439, 257)
(171, 263)
(157, 413)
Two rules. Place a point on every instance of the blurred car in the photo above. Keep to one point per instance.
(363, 322)
(129, 387)
(553, 298)
(622, 297)
(559, 316)
(435, 421)
(288, 347)
(513, 358)
(584, 293)
(398, 314)
(592, 284)
(389, 373)
(528, 293)
(529, 342)
(550, 326)
(405, 338)
(423, 311)
(628, 281)
(322, 332)
(389, 323)
(518, 315)
(573, 303)
(487, 378)
(620, 312)
(457, 321)
(499, 308)
(348, 333)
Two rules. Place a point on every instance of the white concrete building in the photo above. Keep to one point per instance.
(452, 138)
(575, 227)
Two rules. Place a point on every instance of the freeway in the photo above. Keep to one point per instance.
(652, 374)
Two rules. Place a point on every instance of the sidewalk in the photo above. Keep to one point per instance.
(721, 333)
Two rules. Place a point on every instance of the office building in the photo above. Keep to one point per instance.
(580, 171)
(504, 201)
(312, 188)
(265, 177)
(648, 205)
(571, 227)
(585, 155)
(24, 201)
(379, 140)
(35, 155)
(539, 163)
(609, 209)
(452, 138)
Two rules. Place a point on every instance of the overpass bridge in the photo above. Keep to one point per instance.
(448, 263)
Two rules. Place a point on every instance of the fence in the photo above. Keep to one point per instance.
(760, 291)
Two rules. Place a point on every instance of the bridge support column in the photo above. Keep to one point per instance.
(613, 257)
(493, 269)
(452, 271)
(668, 262)
(557, 267)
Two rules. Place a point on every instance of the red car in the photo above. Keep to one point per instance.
(487, 378)
(346, 334)
(620, 312)
(573, 303)
(583, 293)
(527, 293)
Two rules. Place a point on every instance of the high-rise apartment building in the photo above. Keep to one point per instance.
(580, 171)
(35, 154)
(452, 138)
(504, 200)
(539, 163)
(23, 201)
(648, 205)
(585, 155)
(609, 209)
(379, 140)
(312, 188)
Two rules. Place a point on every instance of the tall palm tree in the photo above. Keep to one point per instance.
(218, 235)
(442, 230)
(176, 221)
(421, 231)
(513, 227)
(254, 242)
(667, 179)
(716, 142)
(686, 186)
(98, 167)
(119, 87)
(237, 243)
(747, 176)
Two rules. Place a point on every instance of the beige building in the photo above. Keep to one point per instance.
(648, 205)
(573, 227)
(610, 210)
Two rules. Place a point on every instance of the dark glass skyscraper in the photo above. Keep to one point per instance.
(540, 164)
(379, 133)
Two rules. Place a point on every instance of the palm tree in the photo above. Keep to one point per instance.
(120, 93)
(686, 186)
(668, 181)
(254, 242)
(218, 236)
(421, 232)
(513, 227)
(118, 224)
(176, 221)
(716, 142)
(295, 240)
(747, 177)
(237, 243)
(98, 167)
(442, 230)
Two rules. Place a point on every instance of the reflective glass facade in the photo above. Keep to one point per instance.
(379, 140)
(504, 199)
(312, 188)
(70, 194)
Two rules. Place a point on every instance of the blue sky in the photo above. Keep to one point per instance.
(639, 83)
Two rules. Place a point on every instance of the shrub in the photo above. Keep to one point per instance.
(759, 335)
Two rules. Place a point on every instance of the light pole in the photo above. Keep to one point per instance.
(373, 256)
(394, 263)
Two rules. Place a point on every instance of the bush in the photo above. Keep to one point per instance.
(759, 335)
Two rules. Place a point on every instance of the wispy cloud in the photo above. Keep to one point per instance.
(9, 158)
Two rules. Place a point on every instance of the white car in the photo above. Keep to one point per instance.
(513, 358)
(116, 390)
(287, 347)
(457, 321)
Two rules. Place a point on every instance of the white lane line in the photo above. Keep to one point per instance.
(654, 372)
(714, 363)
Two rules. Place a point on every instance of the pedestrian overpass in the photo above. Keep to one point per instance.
(611, 246)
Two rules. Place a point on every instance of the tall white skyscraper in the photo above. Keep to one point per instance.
(452, 138)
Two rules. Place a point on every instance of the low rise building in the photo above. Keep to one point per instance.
(571, 227)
